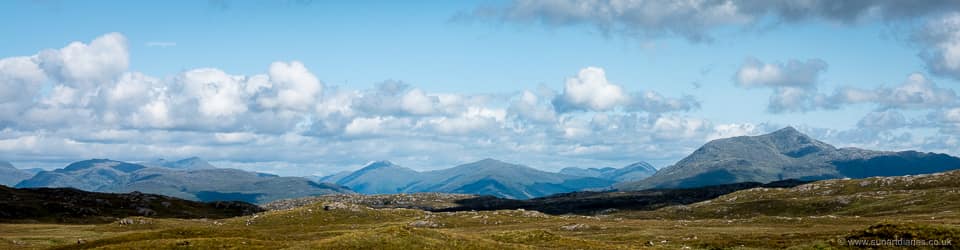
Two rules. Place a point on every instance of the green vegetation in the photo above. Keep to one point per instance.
(804, 217)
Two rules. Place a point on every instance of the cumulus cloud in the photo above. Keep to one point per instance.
(293, 87)
(694, 20)
(417, 102)
(285, 116)
(917, 92)
(883, 120)
(216, 93)
(83, 65)
(794, 83)
(941, 45)
(653, 102)
(530, 107)
(793, 74)
(590, 90)
(20, 80)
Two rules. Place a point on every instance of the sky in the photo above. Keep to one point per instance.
(316, 87)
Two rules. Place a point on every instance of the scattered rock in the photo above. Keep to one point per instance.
(424, 223)
(575, 227)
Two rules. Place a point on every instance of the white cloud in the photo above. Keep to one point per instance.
(794, 83)
(675, 127)
(941, 41)
(418, 103)
(20, 80)
(84, 65)
(529, 107)
(653, 102)
(371, 126)
(917, 92)
(794, 73)
(591, 91)
(235, 137)
(883, 120)
(216, 93)
(474, 119)
(288, 115)
(293, 87)
(734, 130)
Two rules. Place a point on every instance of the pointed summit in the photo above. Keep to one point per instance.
(377, 164)
(788, 131)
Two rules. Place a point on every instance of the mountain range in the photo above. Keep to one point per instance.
(781, 155)
(786, 154)
(191, 179)
(484, 177)
(10, 175)
(633, 172)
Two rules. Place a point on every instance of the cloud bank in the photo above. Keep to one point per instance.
(83, 101)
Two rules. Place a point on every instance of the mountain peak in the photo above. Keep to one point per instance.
(377, 164)
(490, 161)
(787, 131)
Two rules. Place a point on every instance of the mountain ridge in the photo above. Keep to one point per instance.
(213, 184)
(10, 175)
(786, 154)
(484, 177)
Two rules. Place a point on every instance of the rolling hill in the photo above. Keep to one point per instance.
(68, 205)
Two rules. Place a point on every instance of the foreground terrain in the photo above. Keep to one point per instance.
(823, 214)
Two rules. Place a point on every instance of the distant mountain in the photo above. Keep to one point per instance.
(10, 175)
(786, 154)
(215, 184)
(485, 177)
(333, 178)
(33, 171)
(501, 179)
(380, 177)
(59, 205)
(586, 172)
(192, 163)
(633, 172)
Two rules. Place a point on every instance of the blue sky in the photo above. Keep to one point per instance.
(472, 62)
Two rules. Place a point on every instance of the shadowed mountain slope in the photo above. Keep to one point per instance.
(75, 206)
(215, 184)
(786, 154)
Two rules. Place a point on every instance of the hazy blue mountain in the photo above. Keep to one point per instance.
(90, 175)
(192, 163)
(213, 184)
(10, 175)
(33, 171)
(497, 178)
(633, 172)
(786, 154)
(380, 177)
(334, 177)
(485, 177)
(586, 172)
